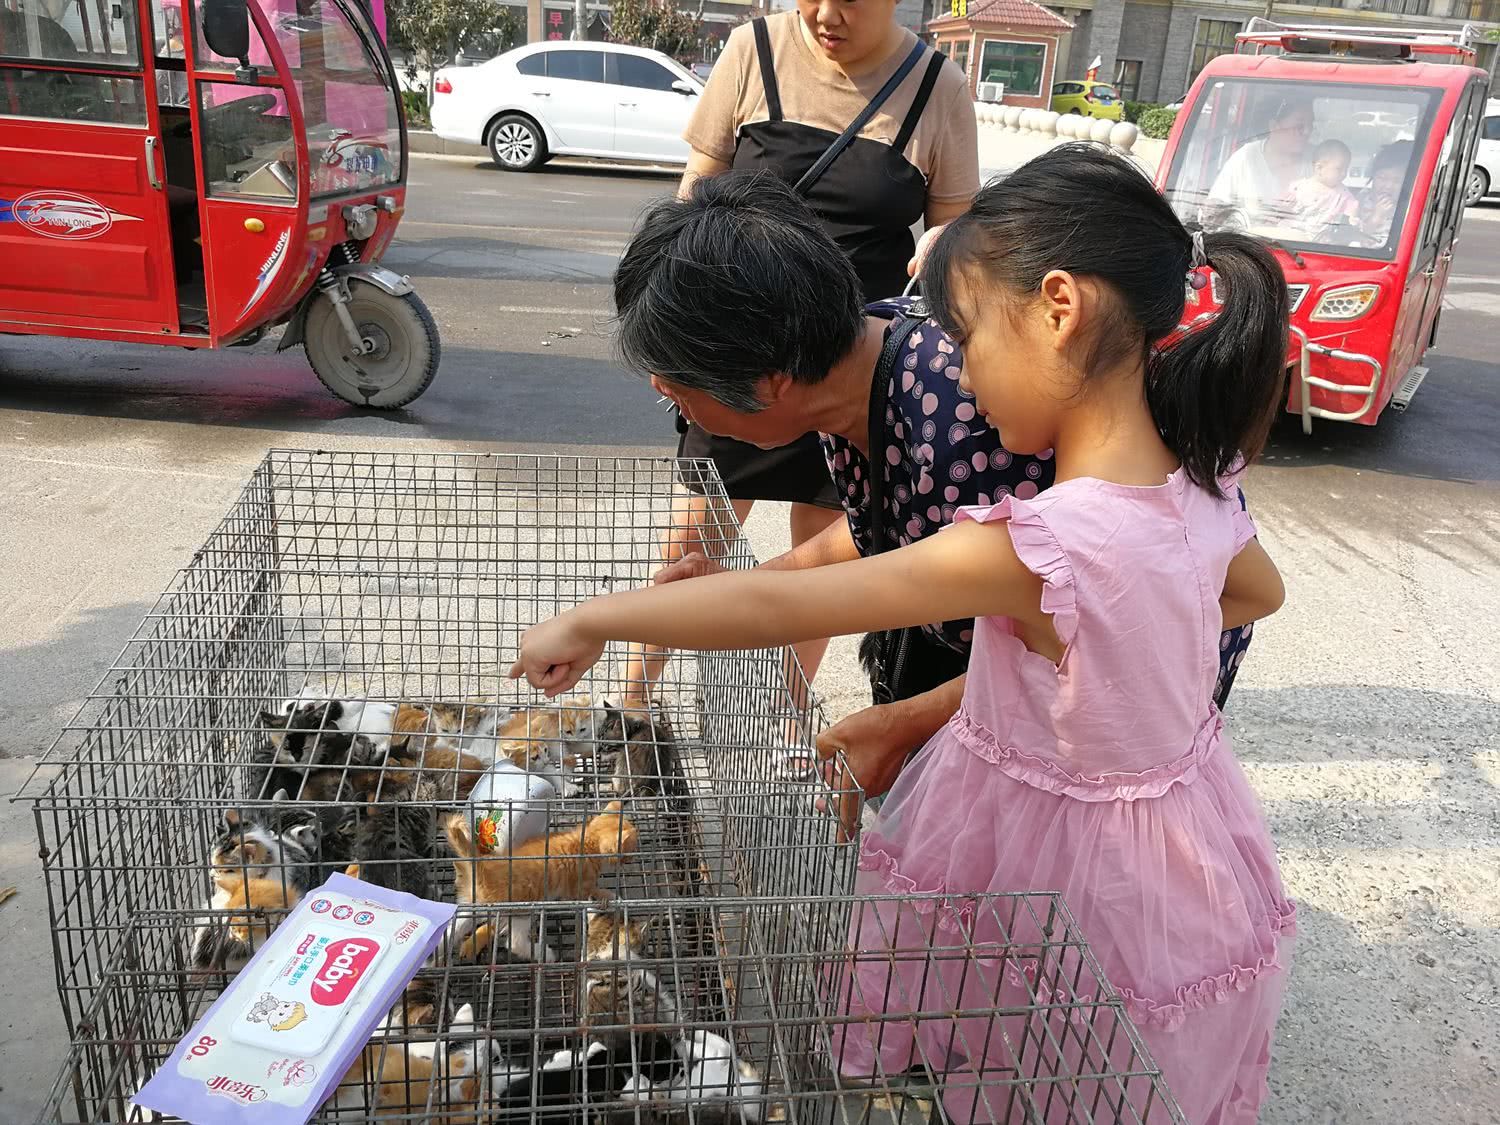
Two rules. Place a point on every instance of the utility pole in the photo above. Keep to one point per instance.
(580, 19)
(535, 26)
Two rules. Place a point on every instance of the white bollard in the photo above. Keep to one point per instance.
(1099, 131)
(1065, 125)
(1026, 118)
(1013, 118)
(1123, 136)
(1050, 122)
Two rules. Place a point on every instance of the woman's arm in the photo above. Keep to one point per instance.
(699, 166)
(1252, 588)
(970, 570)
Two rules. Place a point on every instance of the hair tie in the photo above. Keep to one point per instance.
(1197, 273)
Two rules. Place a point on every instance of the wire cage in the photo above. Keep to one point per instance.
(322, 689)
(982, 1008)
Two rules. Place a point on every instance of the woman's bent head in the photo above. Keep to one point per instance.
(851, 33)
(733, 300)
(1071, 273)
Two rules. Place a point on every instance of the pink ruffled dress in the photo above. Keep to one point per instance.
(1108, 778)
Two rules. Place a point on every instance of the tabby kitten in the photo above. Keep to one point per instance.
(646, 761)
(618, 996)
(226, 945)
(565, 864)
(393, 846)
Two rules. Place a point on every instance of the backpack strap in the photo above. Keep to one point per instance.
(767, 68)
(919, 103)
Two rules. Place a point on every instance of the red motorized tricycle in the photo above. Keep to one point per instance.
(1347, 149)
(195, 173)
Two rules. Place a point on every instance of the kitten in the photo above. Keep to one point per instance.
(394, 1077)
(646, 762)
(545, 739)
(565, 864)
(619, 996)
(425, 765)
(712, 1072)
(226, 945)
(312, 759)
(393, 846)
(470, 726)
(369, 718)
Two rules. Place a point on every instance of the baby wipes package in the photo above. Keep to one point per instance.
(279, 1040)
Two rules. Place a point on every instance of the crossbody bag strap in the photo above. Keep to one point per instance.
(885, 368)
(831, 153)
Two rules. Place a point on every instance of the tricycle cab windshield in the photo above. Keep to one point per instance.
(347, 96)
(1315, 168)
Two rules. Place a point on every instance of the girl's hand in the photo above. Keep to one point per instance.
(924, 247)
(555, 655)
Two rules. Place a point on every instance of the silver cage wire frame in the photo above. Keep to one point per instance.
(323, 686)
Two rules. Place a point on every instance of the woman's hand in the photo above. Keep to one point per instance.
(874, 743)
(694, 564)
(555, 655)
(924, 247)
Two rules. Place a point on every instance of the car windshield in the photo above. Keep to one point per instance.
(1310, 167)
(348, 105)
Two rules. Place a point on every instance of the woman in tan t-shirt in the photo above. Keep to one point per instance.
(780, 95)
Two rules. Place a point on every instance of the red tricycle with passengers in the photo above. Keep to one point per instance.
(195, 172)
(1347, 149)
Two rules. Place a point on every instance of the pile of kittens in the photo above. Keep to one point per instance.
(382, 792)
(636, 1060)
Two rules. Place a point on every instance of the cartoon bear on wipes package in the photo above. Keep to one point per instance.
(274, 1046)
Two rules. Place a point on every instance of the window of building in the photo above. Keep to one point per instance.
(1128, 79)
(960, 55)
(1018, 65)
(1213, 38)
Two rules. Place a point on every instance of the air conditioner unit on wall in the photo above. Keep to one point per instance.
(991, 91)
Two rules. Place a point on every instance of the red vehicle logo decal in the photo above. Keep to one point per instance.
(61, 214)
(345, 964)
(268, 270)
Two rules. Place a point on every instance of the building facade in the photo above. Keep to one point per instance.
(1153, 49)
(1013, 42)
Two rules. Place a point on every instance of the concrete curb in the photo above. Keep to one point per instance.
(427, 142)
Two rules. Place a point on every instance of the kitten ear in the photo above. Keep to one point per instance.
(281, 795)
(273, 720)
(306, 836)
(232, 818)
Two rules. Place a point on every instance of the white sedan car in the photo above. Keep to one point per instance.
(568, 99)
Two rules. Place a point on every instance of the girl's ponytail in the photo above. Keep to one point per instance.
(1214, 391)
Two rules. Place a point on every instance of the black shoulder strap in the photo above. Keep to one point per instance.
(919, 103)
(767, 68)
(885, 369)
(815, 173)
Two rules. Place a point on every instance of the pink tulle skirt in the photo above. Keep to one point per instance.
(1172, 878)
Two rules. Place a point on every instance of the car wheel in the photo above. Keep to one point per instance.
(517, 144)
(1076, 110)
(1477, 188)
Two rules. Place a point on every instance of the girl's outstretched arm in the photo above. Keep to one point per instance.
(969, 570)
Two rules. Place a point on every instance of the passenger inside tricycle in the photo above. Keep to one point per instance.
(1311, 169)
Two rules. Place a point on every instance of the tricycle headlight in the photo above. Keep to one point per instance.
(359, 221)
(1348, 302)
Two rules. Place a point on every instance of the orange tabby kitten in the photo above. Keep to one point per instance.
(560, 865)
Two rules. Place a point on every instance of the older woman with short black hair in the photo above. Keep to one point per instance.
(745, 314)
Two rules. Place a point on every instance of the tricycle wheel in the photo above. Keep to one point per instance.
(403, 358)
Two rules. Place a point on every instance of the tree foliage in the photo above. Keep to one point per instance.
(435, 31)
(657, 24)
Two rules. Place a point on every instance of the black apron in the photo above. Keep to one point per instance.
(869, 198)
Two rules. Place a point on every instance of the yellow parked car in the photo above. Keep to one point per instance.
(1091, 99)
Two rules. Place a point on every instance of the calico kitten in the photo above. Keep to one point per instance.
(422, 1080)
(366, 717)
(620, 996)
(565, 864)
(226, 945)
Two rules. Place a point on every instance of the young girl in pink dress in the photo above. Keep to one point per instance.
(1087, 757)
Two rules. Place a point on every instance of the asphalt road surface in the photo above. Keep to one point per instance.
(1366, 716)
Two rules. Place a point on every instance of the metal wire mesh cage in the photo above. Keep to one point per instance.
(651, 926)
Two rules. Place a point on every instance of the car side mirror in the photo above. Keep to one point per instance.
(226, 29)
(683, 86)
